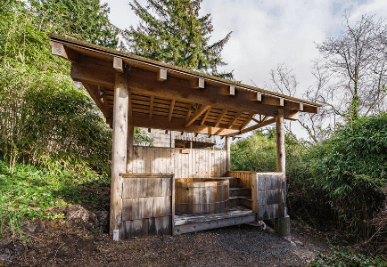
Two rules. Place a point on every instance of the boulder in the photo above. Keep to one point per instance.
(78, 213)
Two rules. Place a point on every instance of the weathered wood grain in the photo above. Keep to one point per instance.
(119, 155)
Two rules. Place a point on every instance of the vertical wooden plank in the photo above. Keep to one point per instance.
(179, 163)
(139, 159)
(212, 163)
(197, 163)
(127, 209)
(119, 150)
(158, 157)
(173, 154)
(228, 155)
(147, 162)
(185, 165)
(173, 202)
(254, 192)
(129, 168)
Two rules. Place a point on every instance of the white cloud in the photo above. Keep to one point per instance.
(268, 32)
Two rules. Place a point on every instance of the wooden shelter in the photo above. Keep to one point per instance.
(136, 91)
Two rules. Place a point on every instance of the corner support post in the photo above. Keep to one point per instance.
(119, 153)
(280, 133)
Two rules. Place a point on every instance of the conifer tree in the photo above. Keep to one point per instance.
(173, 32)
(84, 20)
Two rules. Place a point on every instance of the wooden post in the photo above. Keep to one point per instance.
(228, 154)
(280, 129)
(120, 150)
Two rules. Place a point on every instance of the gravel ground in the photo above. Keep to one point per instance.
(64, 243)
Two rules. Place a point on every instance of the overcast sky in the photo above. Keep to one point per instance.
(269, 32)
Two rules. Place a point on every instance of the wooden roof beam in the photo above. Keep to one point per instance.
(59, 49)
(220, 117)
(141, 83)
(197, 114)
(259, 125)
(177, 124)
(205, 117)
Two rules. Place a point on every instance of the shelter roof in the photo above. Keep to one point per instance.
(169, 97)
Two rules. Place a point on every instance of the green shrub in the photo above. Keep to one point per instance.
(351, 167)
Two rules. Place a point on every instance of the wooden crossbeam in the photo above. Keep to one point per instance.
(259, 125)
(218, 131)
(171, 109)
(197, 114)
(220, 117)
(144, 83)
(234, 120)
(248, 120)
(205, 117)
(151, 107)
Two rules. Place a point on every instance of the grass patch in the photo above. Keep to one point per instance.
(28, 192)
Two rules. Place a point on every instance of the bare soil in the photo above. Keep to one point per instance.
(66, 243)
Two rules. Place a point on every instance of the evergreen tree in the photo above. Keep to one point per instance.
(85, 20)
(173, 32)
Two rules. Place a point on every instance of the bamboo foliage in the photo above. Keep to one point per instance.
(44, 117)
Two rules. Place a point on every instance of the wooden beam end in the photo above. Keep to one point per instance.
(232, 89)
(198, 83)
(162, 75)
(259, 97)
(118, 64)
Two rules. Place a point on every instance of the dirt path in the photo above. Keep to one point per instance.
(66, 244)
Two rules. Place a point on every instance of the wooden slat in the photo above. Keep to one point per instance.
(151, 107)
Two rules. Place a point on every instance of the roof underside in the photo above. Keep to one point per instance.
(167, 97)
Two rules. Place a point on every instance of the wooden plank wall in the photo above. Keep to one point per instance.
(147, 205)
(245, 177)
(198, 163)
(268, 193)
